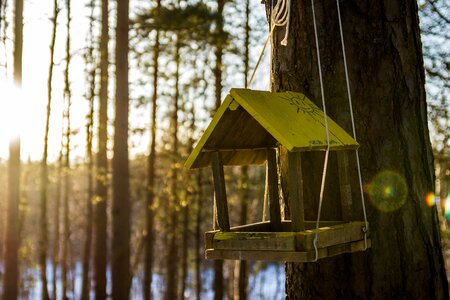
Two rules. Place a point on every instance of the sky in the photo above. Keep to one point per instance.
(36, 56)
(30, 111)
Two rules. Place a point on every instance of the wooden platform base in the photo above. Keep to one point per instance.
(285, 246)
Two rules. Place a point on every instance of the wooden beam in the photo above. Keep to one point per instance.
(344, 186)
(220, 192)
(287, 256)
(272, 182)
(296, 191)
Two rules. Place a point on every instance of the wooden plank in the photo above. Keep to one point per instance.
(286, 256)
(344, 186)
(296, 191)
(330, 236)
(282, 241)
(274, 198)
(220, 192)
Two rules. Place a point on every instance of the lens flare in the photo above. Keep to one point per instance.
(430, 199)
(447, 206)
(388, 191)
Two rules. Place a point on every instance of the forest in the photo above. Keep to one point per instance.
(102, 102)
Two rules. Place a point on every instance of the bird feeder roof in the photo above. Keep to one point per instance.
(248, 122)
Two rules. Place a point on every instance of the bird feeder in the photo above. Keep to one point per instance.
(250, 127)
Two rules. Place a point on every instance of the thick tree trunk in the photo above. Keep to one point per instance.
(101, 182)
(121, 185)
(12, 239)
(387, 84)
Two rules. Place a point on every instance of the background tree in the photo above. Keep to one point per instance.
(91, 72)
(392, 124)
(12, 236)
(101, 178)
(44, 168)
(121, 192)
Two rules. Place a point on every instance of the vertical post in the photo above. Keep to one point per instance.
(296, 191)
(220, 191)
(272, 184)
(344, 186)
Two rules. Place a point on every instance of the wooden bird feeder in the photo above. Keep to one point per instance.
(247, 129)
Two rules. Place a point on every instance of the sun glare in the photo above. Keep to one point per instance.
(17, 115)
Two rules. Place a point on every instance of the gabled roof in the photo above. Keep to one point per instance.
(248, 122)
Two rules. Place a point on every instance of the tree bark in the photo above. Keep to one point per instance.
(121, 186)
(12, 238)
(387, 84)
(101, 178)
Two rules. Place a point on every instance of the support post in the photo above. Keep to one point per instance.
(272, 182)
(220, 191)
(344, 186)
(296, 192)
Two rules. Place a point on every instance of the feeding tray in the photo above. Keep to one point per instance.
(251, 127)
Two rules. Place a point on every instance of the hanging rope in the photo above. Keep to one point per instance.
(325, 165)
(280, 16)
(366, 226)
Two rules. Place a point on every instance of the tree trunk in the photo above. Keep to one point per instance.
(56, 221)
(121, 194)
(150, 238)
(172, 255)
(92, 74)
(12, 238)
(387, 77)
(198, 234)
(241, 272)
(218, 285)
(66, 220)
(101, 182)
(44, 168)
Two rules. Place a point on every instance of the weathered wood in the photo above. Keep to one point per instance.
(272, 182)
(330, 236)
(296, 192)
(284, 241)
(287, 256)
(220, 192)
(344, 185)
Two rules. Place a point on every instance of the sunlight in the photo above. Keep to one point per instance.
(17, 117)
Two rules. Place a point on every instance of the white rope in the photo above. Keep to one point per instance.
(280, 16)
(366, 226)
(325, 165)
